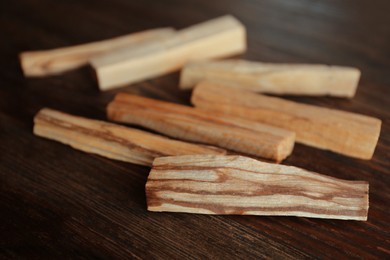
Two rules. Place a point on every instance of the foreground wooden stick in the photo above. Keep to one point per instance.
(191, 124)
(342, 132)
(291, 79)
(212, 184)
(110, 140)
(49, 62)
(221, 37)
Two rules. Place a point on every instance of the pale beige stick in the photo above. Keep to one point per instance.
(110, 140)
(191, 124)
(56, 61)
(214, 184)
(339, 131)
(290, 79)
(217, 38)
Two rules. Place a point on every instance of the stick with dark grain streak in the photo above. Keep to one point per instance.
(214, 184)
(273, 78)
(339, 131)
(110, 140)
(56, 61)
(191, 124)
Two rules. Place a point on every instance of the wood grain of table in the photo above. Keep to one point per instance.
(58, 203)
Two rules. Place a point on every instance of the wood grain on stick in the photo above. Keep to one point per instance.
(56, 61)
(290, 79)
(110, 140)
(217, 38)
(212, 184)
(338, 131)
(192, 124)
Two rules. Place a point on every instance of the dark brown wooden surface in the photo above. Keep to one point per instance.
(57, 202)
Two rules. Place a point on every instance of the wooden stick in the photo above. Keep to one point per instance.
(56, 61)
(342, 132)
(213, 184)
(191, 124)
(290, 79)
(217, 38)
(110, 140)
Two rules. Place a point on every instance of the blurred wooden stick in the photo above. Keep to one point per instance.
(289, 79)
(56, 61)
(217, 38)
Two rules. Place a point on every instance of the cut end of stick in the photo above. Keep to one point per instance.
(286, 147)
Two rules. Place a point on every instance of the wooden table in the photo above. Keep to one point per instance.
(57, 202)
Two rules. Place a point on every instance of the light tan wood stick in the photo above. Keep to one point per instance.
(291, 79)
(188, 123)
(217, 38)
(56, 61)
(213, 184)
(339, 131)
(110, 140)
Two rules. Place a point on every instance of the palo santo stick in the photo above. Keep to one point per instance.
(110, 140)
(213, 184)
(217, 38)
(190, 124)
(339, 131)
(56, 61)
(290, 79)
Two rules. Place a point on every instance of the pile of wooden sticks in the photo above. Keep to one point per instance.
(191, 172)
